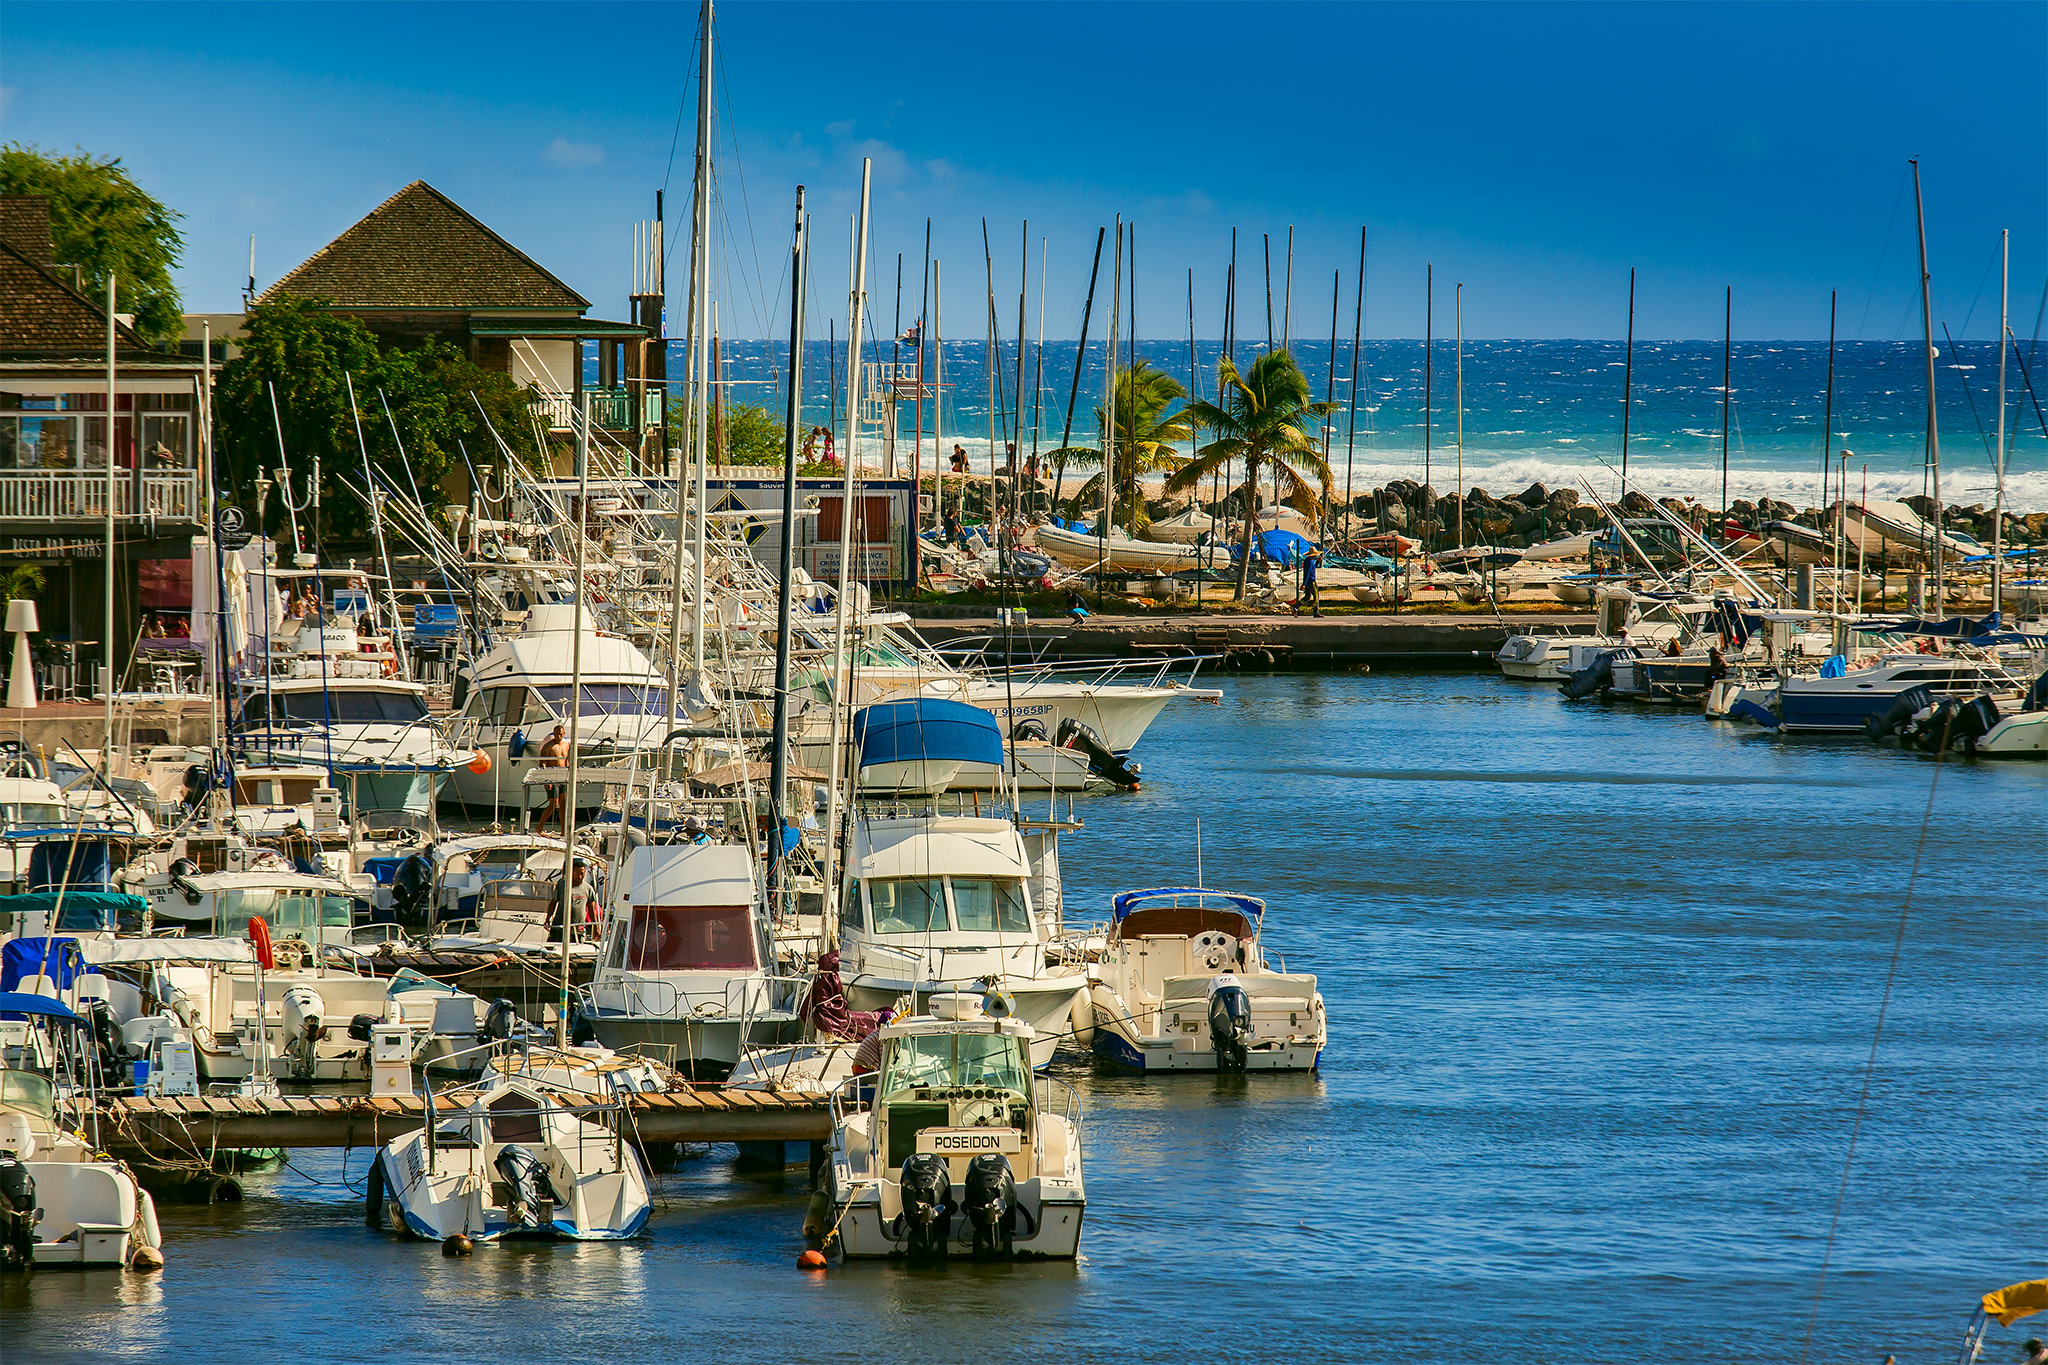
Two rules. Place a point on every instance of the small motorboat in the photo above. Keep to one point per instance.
(62, 1203)
(1183, 985)
(953, 1146)
(511, 1161)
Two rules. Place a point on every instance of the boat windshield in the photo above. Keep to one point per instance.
(28, 1092)
(686, 938)
(349, 706)
(909, 905)
(954, 1059)
(287, 913)
(980, 905)
(32, 814)
(990, 905)
(610, 699)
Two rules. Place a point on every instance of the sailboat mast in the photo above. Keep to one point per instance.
(1933, 431)
(1827, 445)
(778, 758)
(856, 305)
(1727, 367)
(1628, 376)
(113, 418)
(1351, 422)
(575, 716)
(1460, 311)
(700, 290)
(1998, 491)
(1428, 359)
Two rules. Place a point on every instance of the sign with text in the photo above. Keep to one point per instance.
(970, 1141)
(870, 563)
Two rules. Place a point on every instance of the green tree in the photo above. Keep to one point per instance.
(307, 357)
(102, 221)
(1265, 419)
(753, 433)
(1144, 431)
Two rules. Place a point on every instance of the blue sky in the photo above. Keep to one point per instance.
(1535, 152)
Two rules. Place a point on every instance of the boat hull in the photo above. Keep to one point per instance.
(704, 1049)
(1119, 1042)
(1054, 1212)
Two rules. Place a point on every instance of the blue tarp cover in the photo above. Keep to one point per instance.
(57, 958)
(1835, 667)
(14, 1004)
(1125, 902)
(927, 728)
(1282, 547)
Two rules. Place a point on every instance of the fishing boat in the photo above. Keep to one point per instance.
(518, 692)
(686, 962)
(62, 1203)
(511, 1161)
(374, 736)
(955, 1146)
(1183, 985)
(1845, 700)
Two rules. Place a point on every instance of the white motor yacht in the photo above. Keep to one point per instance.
(686, 963)
(1183, 985)
(375, 736)
(519, 691)
(955, 1146)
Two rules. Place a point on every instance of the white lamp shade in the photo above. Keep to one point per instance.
(21, 614)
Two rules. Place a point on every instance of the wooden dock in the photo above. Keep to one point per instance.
(173, 1126)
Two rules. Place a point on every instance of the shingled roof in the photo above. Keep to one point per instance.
(42, 317)
(25, 225)
(420, 250)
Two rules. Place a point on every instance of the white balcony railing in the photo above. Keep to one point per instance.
(81, 495)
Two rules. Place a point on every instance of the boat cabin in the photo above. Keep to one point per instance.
(959, 1087)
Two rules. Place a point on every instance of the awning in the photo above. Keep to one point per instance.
(929, 728)
(15, 1002)
(581, 329)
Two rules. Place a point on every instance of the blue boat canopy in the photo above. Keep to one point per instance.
(1124, 903)
(926, 729)
(14, 1003)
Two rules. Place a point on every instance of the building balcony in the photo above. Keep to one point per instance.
(54, 497)
(610, 409)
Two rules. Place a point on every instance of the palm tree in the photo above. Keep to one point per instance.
(1265, 418)
(1144, 431)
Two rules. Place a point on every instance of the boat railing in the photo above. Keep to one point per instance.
(1058, 1099)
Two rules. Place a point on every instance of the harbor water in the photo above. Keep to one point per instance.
(1602, 986)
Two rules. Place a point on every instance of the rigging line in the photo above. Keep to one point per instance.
(724, 267)
(1876, 1037)
(1955, 363)
(739, 166)
(1878, 273)
(682, 107)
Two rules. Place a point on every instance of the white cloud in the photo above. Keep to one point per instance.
(571, 155)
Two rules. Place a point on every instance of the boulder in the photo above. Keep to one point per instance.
(1394, 517)
(1536, 495)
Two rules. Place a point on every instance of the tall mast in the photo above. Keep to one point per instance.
(1351, 422)
(1428, 358)
(856, 305)
(113, 414)
(1460, 311)
(1628, 377)
(778, 758)
(575, 715)
(1727, 365)
(700, 288)
(1933, 432)
(1116, 284)
(1998, 494)
(1827, 445)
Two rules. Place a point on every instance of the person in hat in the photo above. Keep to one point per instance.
(695, 831)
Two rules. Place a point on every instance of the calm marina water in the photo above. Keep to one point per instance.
(1601, 982)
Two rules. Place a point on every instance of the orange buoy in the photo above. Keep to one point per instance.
(480, 763)
(259, 939)
(811, 1260)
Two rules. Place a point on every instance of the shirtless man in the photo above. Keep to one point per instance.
(554, 753)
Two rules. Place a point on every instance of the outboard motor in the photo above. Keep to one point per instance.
(359, 1027)
(1883, 725)
(106, 1037)
(1230, 1022)
(1597, 676)
(303, 1010)
(17, 1214)
(499, 1020)
(992, 1205)
(533, 1199)
(198, 782)
(1031, 727)
(927, 1218)
(1102, 760)
(412, 882)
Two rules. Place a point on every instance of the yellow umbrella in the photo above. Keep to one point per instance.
(2016, 1301)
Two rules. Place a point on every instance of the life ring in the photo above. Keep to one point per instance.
(259, 938)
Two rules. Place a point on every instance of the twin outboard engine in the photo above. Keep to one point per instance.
(17, 1214)
(1882, 725)
(1230, 1022)
(992, 1207)
(533, 1199)
(927, 1219)
(1102, 760)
